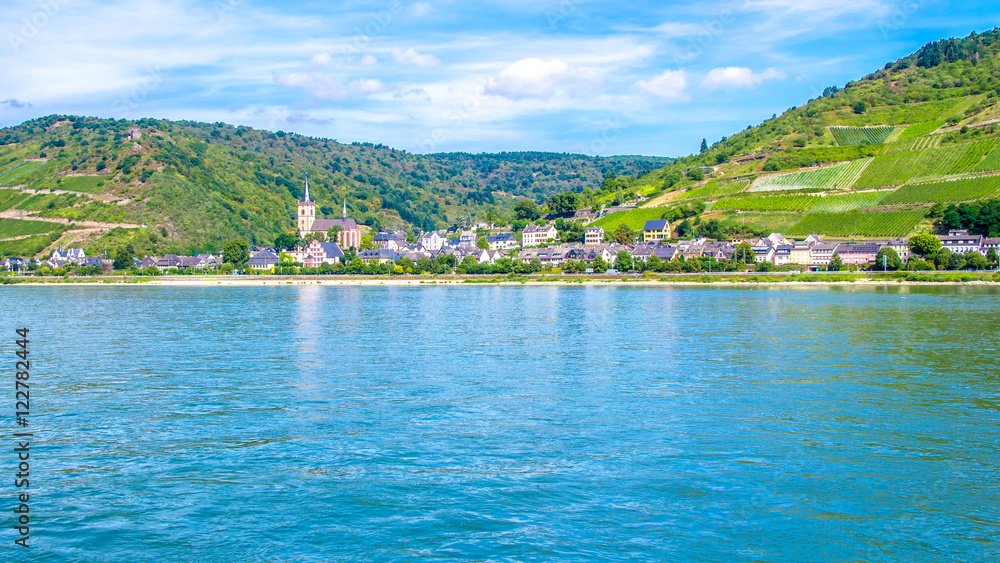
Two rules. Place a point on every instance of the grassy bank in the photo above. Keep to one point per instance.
(776, 278)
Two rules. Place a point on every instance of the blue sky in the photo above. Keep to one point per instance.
(430, 76)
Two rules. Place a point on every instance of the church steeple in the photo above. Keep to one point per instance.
(307, 211)
(344, 216)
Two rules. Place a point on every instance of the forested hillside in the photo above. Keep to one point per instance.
(195, 185)
(911, 147)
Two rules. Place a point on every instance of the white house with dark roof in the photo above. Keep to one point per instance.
(502, 241)
(263, 260)
(534, 235)
(432, 241)
(989, 243)
(961, 242)
(593, 235)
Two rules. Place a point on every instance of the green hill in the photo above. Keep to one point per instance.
(912, 147)
(196, 185)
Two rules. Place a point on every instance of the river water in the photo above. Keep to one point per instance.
(494, 423)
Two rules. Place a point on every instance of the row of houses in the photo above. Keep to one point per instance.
(814, 252)
(433, 241)
(177, 262)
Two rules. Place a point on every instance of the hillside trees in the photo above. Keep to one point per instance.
(623, 234)
(526, 209)
(925, 245)
(236, 251)
(887, 259)
(564, 203)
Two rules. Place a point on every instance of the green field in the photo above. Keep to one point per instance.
(717, 188)
(11, 178)
(835, 203)
(93, 211)
(964, 189)
(28, 247)
(839, 203)
(919, 129)
(860, 223)
(13, 169)
(10, 198)
(850, 136)
(19, 227)
(775, 221)
(84, 184)
(899, 168)
(837, 175)
(991, 162)
(39, 202)
(634, 218)
(910, 113)
(799, 203)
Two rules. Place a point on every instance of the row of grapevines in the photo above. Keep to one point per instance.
(718, 188)
(952, 190)
(838, 203)
(8, 180)
(863, 223)
(974, 154)
(14, 169)
(634, 218)
(843, 174)
(768, 203)
(991, 162)
(896, 169)
(920, 129)
(850, 136)
(10, 198)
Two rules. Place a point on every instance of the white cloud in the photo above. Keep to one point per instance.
(325, 87)
(669, 86)
(15, 103)
(411, 57)
(322, 59)
(733, 78)
(529, 78)
(674, 29)
(368, 60)
(421, 9)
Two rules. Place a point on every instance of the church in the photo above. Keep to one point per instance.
(349, 237)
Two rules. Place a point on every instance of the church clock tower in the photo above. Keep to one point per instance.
(307, 212)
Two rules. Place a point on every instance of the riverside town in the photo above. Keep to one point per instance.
(336, 246)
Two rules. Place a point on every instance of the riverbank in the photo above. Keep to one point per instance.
(726, 279)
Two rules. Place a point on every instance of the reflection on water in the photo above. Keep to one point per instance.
(316, 423)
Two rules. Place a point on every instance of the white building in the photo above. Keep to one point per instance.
(593, 235)
(533, 235)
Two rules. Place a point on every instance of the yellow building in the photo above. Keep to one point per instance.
(801, 254)
(655, 230)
